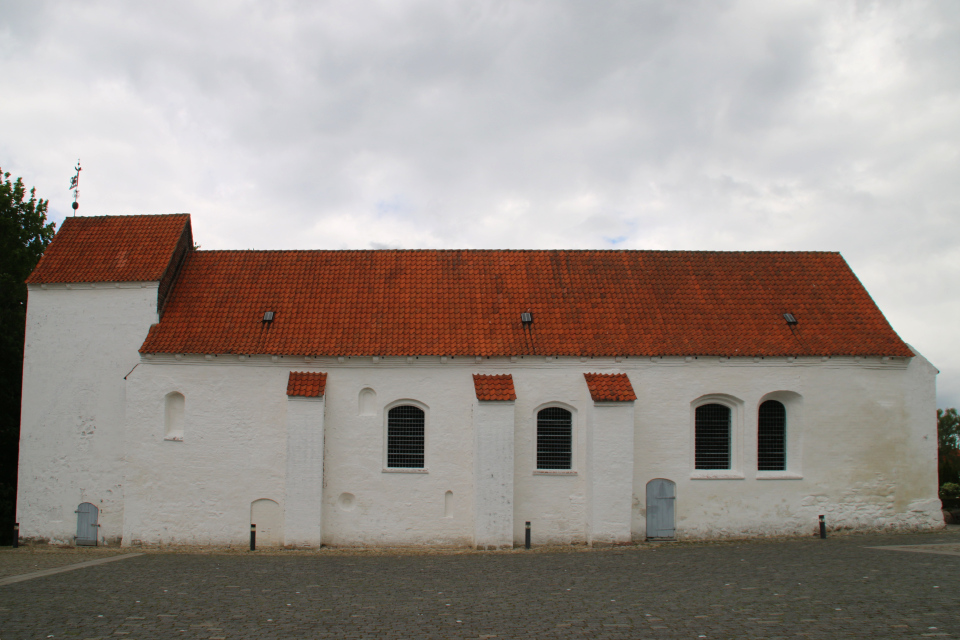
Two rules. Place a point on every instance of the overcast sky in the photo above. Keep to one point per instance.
(726, 125)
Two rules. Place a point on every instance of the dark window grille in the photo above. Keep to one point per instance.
(712, 437)
(554, 439)
(405, 438)
(772, 437)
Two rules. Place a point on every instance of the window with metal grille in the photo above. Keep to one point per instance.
(772, 437)
(405, 437)
(712, 437)
(554, 439)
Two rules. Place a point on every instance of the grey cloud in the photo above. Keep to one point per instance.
(702, 125)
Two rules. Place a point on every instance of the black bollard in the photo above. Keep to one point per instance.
(823, 528)
(253, 537)
(526, 537)
(16, 535)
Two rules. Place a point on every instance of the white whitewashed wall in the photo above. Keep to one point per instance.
(303, 512)
(81, 340)
(610, 451)
(200, 490)
(861, 450)
(861, 442)
(861, 445)
(493, 425)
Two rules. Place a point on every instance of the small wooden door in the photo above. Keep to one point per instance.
(265, 513)
(661, 505)
(87, 528)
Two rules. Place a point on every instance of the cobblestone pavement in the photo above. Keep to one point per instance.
(29, 559)
(842, 587)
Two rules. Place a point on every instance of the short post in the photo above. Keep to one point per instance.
(823, 528)
(253, 537)
(16, 535)
(526, 537)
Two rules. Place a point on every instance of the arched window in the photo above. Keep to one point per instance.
(772, 437)
(405, 437)
(554, 439)
(712, 437)
(173, 410)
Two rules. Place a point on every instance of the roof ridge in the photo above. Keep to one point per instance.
(126, 215)
(581, 251)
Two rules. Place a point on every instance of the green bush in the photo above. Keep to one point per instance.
(950, 490)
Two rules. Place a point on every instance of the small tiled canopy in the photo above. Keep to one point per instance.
(494, 387)
(610, 387)
(306, 384)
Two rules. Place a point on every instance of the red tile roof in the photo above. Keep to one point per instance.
(610, 387)
(495, 387)
(113, 249)
(307, 384)
(461, 302)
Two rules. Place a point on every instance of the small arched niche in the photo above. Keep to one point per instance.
(368, 402)
(173, 410)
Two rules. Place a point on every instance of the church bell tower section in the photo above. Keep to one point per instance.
(91, 300)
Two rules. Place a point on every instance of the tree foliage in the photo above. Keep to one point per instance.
(24, 234)
(948, 445)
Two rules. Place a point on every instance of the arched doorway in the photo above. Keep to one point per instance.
(265, 513)
(661, 506)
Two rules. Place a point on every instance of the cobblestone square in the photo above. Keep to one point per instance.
(844, 587)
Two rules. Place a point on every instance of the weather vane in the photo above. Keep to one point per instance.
(75, 185)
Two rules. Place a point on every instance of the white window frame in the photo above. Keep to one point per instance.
(793, 403)
(736, 406)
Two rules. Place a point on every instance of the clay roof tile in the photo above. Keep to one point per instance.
(466, 303)
(610, 387)
(494, 387)
(112, 249)
(306, 384)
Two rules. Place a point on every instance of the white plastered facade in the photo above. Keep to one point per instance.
(861, 442)
(81, 340)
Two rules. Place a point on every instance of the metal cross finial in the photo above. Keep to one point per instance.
(75, 185)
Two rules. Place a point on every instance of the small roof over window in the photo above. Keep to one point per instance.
(610, 387)
(306, 384)
(494, 387)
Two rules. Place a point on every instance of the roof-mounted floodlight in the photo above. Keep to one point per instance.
(526, 318)
(789, 318)
(268, 316)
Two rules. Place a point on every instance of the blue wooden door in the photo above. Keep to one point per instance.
(87, 527)
(661, 506)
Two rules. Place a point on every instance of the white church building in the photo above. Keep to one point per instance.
(448, 397)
